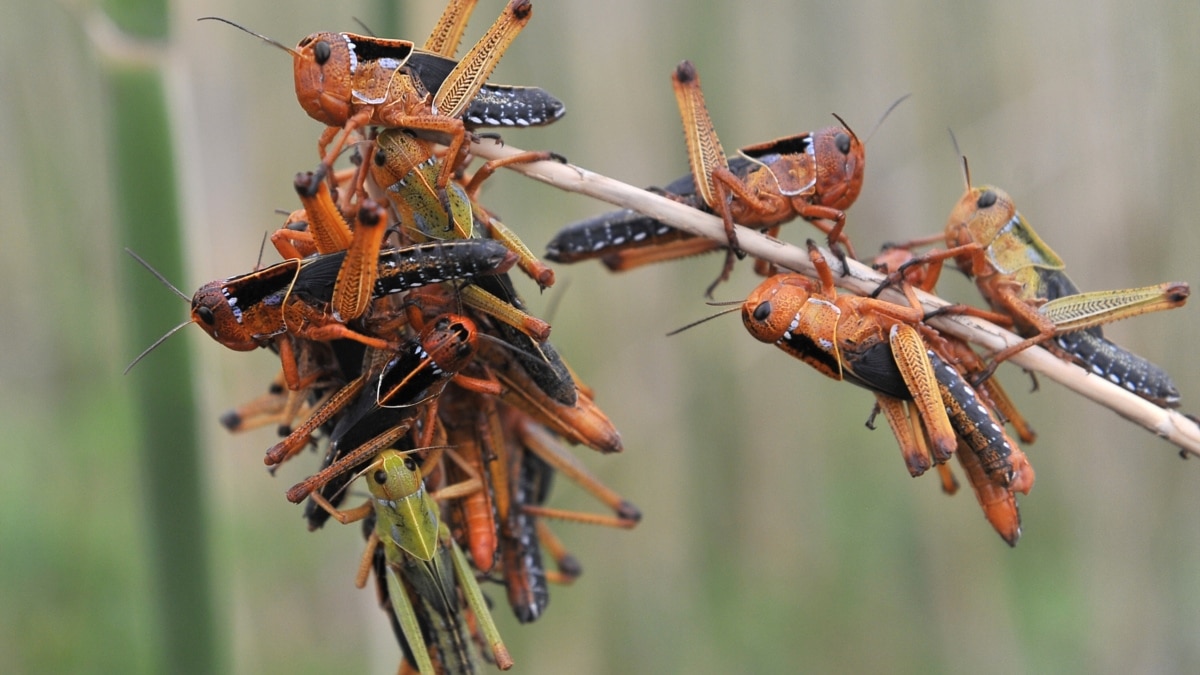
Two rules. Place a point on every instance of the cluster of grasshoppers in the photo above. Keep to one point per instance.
(406, 353)
(935, 391)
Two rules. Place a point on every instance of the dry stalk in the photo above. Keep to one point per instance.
(1168, 424)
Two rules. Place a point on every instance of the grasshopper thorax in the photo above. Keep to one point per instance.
(333, 69)
(790, 312)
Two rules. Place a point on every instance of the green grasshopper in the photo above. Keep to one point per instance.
(407, 167)
(423, 564)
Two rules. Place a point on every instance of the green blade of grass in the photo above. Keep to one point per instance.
(146, 200)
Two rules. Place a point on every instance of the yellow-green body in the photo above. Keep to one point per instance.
(407, 169)
(426, 565)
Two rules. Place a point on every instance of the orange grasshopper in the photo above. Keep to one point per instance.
(379, 406)
(998, 502)
(814, 176)
(350, 82)
(290, 299)
(502, 523)
(321, 228)
(877, 345)
(1023, 281)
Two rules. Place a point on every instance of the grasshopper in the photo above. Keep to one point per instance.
(349, 82)
(424, 563)
(1022, 279)
(292, 298)
(815, 176)
(877, 345)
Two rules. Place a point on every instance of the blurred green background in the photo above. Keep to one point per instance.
(779, 534)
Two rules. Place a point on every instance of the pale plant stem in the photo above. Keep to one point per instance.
(1168, 424)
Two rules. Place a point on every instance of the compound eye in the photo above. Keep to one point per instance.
(986, 199)
(322, 51)
(842, 141)
(410, 464)
(380, 477)
(206, 315)
(763, 311)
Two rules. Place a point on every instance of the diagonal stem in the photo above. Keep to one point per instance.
(1168, 424)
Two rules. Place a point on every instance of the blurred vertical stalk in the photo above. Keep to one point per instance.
(385, 17)
(147, 213)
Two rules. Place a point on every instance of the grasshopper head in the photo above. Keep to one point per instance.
(394, 476)
(397, 153)
(219, 316)
(840, 159)
(324, 66)
(984, 212)
(979, 216)
(771, 311)
(451, 341)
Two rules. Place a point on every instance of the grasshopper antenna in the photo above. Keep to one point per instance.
(264, 38)
(157, 275)
(152, 347)
(885, 114)
(375, 465)
(737, 303)
(363, 25)
(298, 492)
(556, 299)
(262, 246)
(958, 153)
(843, 123)
(510, 347)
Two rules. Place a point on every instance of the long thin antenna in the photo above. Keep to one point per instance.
(958, 153)
(264, 38)
(885, 114)
(158, 275)
(560, 291)
(157, 342)
(504, 344)
(723, 312)
(362, 24)
(843, 123)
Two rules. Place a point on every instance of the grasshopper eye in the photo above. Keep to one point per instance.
(410, 464)
(763, 311)
(206, 315)
(842, 141)
(380, 158)
(380, 477)
(322, 52)
(986, 199)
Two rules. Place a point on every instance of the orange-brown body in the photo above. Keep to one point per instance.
(349, 82)
(877, 345)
